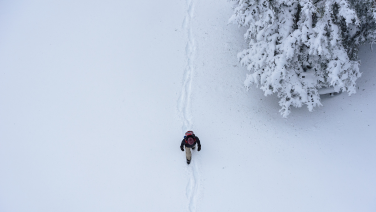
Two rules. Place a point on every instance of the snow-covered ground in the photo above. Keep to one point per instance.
(95, 97)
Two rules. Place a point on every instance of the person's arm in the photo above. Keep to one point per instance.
(182, 144)
(198, 143)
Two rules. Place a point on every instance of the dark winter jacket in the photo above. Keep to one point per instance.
(197, 140)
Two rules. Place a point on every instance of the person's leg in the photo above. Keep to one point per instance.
(188, 154)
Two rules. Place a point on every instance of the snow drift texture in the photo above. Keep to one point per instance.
(297, 47)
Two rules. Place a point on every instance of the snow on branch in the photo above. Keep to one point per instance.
(297, 47)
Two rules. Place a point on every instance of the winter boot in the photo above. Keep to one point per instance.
(188, 161)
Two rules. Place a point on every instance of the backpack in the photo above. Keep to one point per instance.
(189, 133)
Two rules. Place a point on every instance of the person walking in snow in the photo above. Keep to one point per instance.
(189, 141)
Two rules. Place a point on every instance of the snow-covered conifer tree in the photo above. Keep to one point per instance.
(299, 46)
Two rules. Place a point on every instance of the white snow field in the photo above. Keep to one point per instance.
(95, 97)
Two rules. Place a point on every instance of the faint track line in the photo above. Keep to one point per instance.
(185, 97)
(193, 186)
(184, 106)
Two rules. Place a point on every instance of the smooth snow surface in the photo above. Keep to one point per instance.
(95, 97)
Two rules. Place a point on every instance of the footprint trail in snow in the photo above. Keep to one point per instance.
(184, 107)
